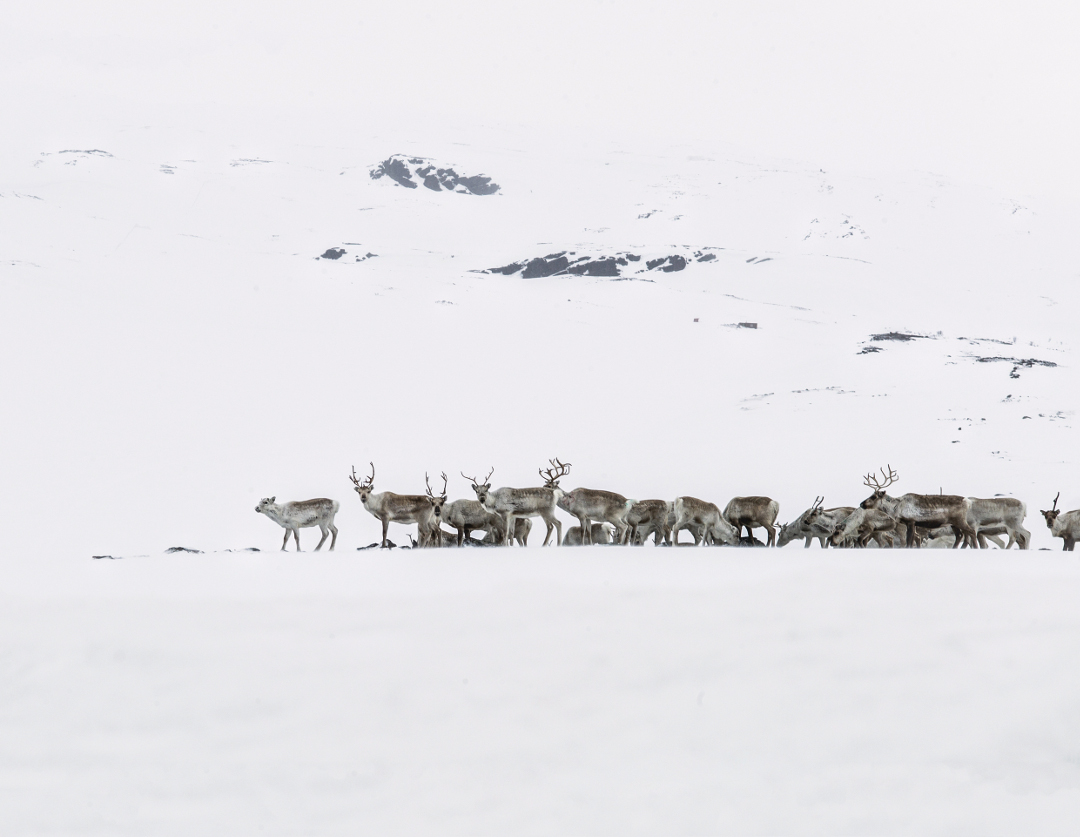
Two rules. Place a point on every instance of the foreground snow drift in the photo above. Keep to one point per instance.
(584, 691)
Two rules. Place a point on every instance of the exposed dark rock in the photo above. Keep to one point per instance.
(390, 545)
(184, 549)
(869, 350)
(506, 270)
(898, 336)
(97, 151)
(543, 267)
(600, 267)
(1028, 362)
(397, 170)
(333, 253)
(668, 264)
(706, 257)
(402, 170)
(110, 557)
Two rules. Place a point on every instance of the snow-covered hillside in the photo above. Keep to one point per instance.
(193, 331)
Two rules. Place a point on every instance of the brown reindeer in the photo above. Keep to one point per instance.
(929, 510)
(753, 513)
(589, 504)
(395, 508)
(514, 503)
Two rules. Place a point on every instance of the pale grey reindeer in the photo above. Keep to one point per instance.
(394, 508)
(815, 522)
(650, 517)
(753, 513)
(600, 534)
(468, 516)
(514, 503)
(496, 535)
(929, 510)
(704, 521)
(302, 514)
(989, 517)
(1063, 525)
(862, 525)
(592, 504)
(429, 529)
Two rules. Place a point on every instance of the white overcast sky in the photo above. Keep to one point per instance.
(986, 92)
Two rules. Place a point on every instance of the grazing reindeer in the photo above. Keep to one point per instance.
(589, 504)
(598, 535)
(753, 513)
(928, 510)
(514, 503)
(647, 517)
(467, 516)
(862, 525)
(815, 522)
(302, 514)
(392, 508)
(989, 517)
(1065, 526)
(704, 521)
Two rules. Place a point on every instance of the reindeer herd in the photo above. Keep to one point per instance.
(504, 516)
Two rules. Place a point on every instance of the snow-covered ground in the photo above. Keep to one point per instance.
(209, 309)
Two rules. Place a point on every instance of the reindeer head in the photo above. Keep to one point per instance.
(364, 488)
(871, 481)
(1052, 515)
(555, 473)
(481, 488)
(437, 503)
(265, 504)
(811, 515)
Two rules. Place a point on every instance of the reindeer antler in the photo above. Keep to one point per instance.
(368, 481)
(557, 471)
(1054, 507)
(817, 503)
(871, 480)
(443, 492)
(474, 480)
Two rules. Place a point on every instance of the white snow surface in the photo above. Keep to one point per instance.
(175, 349)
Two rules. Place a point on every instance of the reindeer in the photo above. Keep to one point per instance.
(815, 522)
(394, 508)
(496, 535)
(649, 517)
(753, 513)
(1065, 526)
(429, 528)
(302, 514)
(599, 535)
(928, 510)
(588, 504)
(467, 516)
(993, 516)
(691, 513)
(513, 503)
(862, 525)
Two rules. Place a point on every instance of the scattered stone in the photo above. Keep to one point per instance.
(110, 557)
(869, 350)
(391, 545)
(333, 253)
(183, 549)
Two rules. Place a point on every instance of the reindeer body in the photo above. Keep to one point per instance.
(649, 517)
(514, 503)
(467, 516)
(995, 513)
(1064, 525)
(598, 535)
(929, 510)
(753, 513)
(691, 513)
(815, 522)
(589, 504)
(862, 525)
(302, 514)
(423, 510)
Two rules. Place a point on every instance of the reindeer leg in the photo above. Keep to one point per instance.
(772, 535)
(325, 534)
(296, 536)
(333, 540)
(385, 526)
(285, 542)
(910, 533)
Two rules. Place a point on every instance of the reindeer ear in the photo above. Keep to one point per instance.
(273, 499)
(487, 485)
